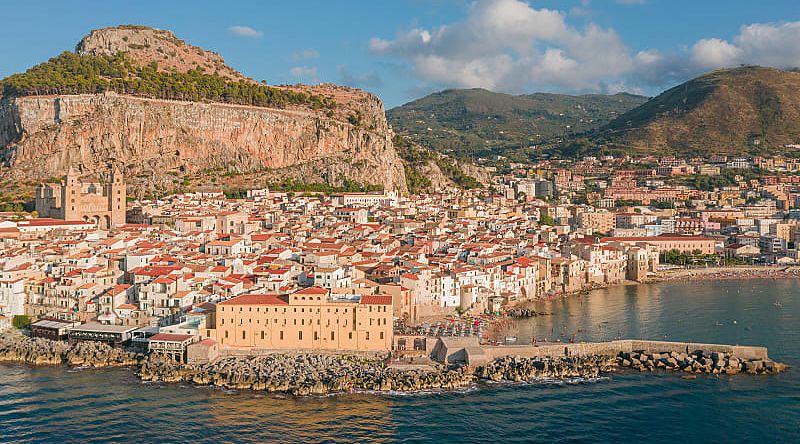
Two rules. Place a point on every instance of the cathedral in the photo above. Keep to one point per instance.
(75, 199)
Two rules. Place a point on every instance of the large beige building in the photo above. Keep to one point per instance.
(103, 204)
(664, 243)
(309, 319)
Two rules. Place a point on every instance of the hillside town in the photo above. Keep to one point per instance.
(192, 274)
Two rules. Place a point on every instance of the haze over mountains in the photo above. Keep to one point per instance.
(730, 111)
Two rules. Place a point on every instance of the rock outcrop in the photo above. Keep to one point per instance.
(15, 347)
(158, 141)
(518, 369)
(167, 145)
(305, 374)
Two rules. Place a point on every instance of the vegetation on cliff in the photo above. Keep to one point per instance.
(416, 159)
(71, 73)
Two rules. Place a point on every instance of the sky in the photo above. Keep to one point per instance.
(404, 49)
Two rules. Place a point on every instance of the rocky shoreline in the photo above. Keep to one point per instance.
(699, 361)
(524, 312)
(305, 374)
(516, 369)
(15, 347)
(323, 374)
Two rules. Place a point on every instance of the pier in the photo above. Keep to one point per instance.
(471, 352)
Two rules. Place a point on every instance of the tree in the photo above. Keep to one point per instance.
(21, 321)
(545, 219)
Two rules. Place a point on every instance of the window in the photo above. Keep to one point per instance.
(316, 336)
(367, 336)
(226, 334)
(300, 335)
(262, 335)
(244, 335)
(281, 335)
(381, 335)
(331, 336)
(349, 335)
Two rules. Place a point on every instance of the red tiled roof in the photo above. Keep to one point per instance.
(257, 299)
(170, 337)
(376, 299)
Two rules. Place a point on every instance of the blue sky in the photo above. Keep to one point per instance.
(403, 49)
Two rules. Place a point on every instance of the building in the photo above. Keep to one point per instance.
(683, 244)
(309, 319)
(103, 204)
(598, 221)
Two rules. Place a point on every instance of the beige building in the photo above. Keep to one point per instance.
(664, 243)
(102, 204)
(598, 221)
(309, 319)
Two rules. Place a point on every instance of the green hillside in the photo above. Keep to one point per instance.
(745, 110)
(477, 122)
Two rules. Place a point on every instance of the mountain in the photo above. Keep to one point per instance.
(477, 122)
(741, 110)
(175, 117)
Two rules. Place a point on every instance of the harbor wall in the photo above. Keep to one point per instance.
(452, 350)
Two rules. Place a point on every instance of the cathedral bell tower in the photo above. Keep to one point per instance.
(117, 201)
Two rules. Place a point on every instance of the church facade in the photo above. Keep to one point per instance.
(103, 204)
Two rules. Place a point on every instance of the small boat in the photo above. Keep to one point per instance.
(511, 339)
(777, 304)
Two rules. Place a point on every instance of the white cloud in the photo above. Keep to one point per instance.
(366, 80)
(245, 31)
(307, 73)
(508, 45)
(305, 54)
(710, 53)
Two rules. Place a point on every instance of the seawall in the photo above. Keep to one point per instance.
(469, 351)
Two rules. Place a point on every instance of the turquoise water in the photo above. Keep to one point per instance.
(56, 405)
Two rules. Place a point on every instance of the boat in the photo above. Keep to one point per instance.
(777, 304)
(511, 339)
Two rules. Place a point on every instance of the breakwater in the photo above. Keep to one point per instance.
(15, 347)
(698, 361)
(306, 374)
(463, 362)
(470, 351)
(517, 369)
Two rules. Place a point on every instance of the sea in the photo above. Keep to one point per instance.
(60, 405)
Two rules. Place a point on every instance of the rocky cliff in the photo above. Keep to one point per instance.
(165, 145)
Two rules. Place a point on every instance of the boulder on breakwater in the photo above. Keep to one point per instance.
(16, 347)
(698, 361)
(519, 312)
(517, 369)
(305, 374)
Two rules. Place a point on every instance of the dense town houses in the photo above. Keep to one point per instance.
(336, 271)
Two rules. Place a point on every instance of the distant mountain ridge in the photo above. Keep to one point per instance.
(468, 122)
(744, 110)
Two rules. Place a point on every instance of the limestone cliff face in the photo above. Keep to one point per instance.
(158, 141)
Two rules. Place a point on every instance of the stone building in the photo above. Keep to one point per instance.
(103, 204)
(310, 319)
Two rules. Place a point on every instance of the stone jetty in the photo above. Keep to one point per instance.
(522, 312)
(306, 374)
(698, 361)
(518, 369)
(15, 347)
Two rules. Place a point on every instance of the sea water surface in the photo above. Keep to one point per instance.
(57, 405)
